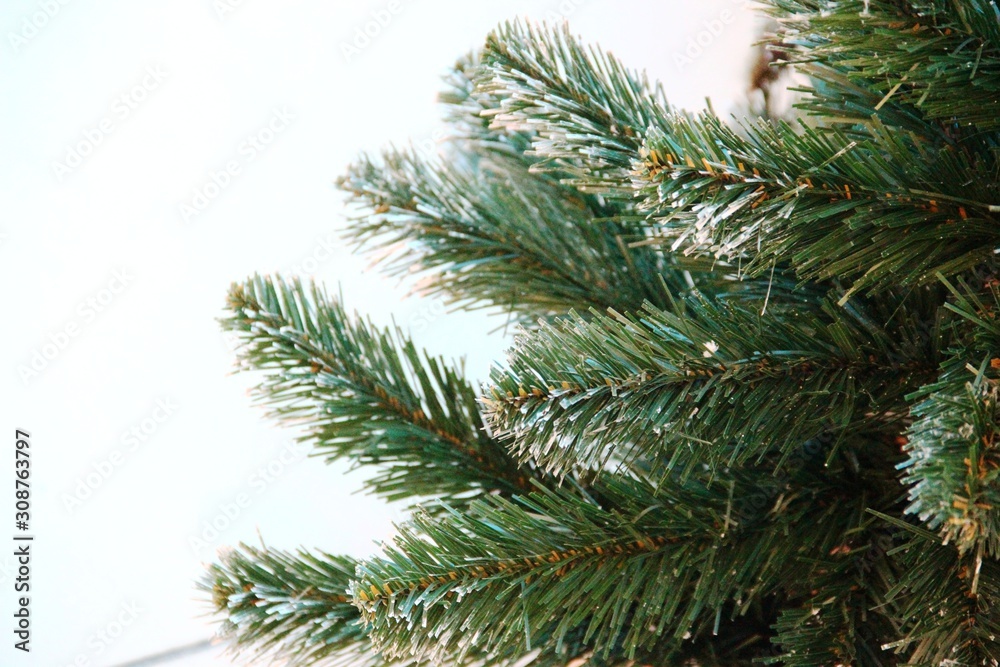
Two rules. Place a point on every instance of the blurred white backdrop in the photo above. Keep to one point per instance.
(117, 115)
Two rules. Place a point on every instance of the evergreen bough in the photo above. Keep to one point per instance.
(751, 414)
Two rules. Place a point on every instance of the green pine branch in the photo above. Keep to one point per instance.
(497, 238)
(835, 611)
(874, 210)
(467, 117)
(954, 463)
(284, 605)
(953, 467)
(946, 604)
(470, 107)
(935, 64)
(493, 228)
(296, 607)
(505, 570)
(484, 230)
(702, 383)
(832, 206)
(588, 112)
(841, 620)
(367, 394)
(752, 415)
(637, 573)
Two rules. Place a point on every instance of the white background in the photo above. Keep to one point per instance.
(63, 235)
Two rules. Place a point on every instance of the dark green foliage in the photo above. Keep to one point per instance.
(751, 415)
(497, 237)
(954, 444)
(881, 211)
(367, 394)
(279, 603)
(587, 112)
(875, 210)
(946, 604)
(933, 60)
(537, 567)
(662, 385)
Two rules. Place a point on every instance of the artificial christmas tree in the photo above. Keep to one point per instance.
(751, 414)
